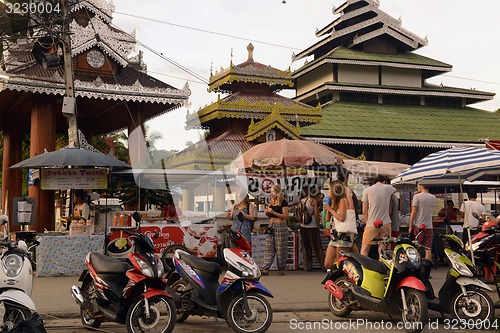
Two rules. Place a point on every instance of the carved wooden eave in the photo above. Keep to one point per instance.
(99, 90)
(362, 24)
(272, 121)
(250, 72)
(116, 44)
(258, 109)
(102, 8)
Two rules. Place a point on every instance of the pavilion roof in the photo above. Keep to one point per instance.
(403, 125)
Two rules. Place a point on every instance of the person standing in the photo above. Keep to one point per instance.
(81, 210)
(352, 199)
(310, 233)
(421, 213)
(277, 237)
(338, 207)
(394, 212)
(466, 210)
(243, 216)
(376, 200)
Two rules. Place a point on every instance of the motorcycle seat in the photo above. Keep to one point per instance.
(367, 262)
(106, 264)
(201, 264)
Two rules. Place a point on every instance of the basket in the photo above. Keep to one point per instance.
(84, 230)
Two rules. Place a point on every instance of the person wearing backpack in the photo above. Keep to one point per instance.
(308, 214)
(243, 216)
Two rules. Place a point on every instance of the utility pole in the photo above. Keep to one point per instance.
(69, 102)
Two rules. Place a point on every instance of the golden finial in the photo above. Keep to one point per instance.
(211, 67)
(250, 52)
(231, 62)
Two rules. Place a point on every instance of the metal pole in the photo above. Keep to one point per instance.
(69, 102)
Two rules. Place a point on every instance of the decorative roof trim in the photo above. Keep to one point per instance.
(402, 91)
(273, 120)
(386, 29)
(102, 8)
(99, 90)
(326, 60)
(241, 74)
(259, 110)
(117, 45)
(344, 17)
(393, 143)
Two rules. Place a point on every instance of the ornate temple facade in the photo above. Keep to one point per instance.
(112, 88)
(251, 113)
(374, 93)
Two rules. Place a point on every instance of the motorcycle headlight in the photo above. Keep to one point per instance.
(145, 267)
(12, 265)
(245, 271)
(159, 264)
(461, 268)
(413, 256)
(475, 246)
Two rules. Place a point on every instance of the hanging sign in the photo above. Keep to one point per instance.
(56, 179)
(259, 185)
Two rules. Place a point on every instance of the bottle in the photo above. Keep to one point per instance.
(122, 220)
(115, 220)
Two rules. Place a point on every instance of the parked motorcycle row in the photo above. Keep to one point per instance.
(401, 277)
(140, 294)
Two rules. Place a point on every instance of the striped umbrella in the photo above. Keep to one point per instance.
(452, 166)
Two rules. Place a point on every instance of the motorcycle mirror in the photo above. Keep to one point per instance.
(477, 217)
(156, 235)
(378, 223)
(136, 216)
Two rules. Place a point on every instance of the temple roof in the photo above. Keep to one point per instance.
(409, 60)
(216, 153)
(250, 72)
(254, 105)
(402, 125)
(362, 21)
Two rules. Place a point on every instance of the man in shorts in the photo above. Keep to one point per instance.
(376, 200)
(421, 213)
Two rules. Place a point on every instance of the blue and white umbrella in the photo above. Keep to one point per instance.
(452, 166)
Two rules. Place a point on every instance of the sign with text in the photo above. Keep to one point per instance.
(56, 179)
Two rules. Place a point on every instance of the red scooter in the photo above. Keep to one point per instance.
(132, 293)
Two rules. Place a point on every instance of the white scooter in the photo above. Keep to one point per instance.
(16, 280)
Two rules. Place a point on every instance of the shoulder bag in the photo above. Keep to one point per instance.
(349, 223)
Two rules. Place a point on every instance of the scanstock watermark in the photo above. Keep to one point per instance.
(382, 325)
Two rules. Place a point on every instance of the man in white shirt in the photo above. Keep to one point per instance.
(466, 210)
(421, 213)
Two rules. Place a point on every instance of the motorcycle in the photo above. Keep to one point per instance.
(362, 283)
(132, 293)
(16, 281)
(238, 298)
(486, 249)
(463, 293)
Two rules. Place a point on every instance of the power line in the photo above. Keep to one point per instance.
(208, 31)
(464, 78)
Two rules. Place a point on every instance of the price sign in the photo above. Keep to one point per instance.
(55, 179)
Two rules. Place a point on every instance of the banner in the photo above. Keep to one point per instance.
(56, 179)
(259, 185)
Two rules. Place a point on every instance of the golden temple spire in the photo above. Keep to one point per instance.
(250, 52)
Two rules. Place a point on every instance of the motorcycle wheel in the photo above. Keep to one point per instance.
(87, 321)
(337, 307)
(15, 314)
(168, 254)
(416, 318)
(257, 321)
(477, 312)
(161, 315)
(179, 286)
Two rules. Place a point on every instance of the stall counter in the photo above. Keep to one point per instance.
(65, 255)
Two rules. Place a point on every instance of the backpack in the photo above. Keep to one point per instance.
(302, 213)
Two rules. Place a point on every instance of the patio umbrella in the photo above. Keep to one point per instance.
(292, 164)
(453, 165)
(76, 157)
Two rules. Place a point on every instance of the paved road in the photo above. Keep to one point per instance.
(317, 321)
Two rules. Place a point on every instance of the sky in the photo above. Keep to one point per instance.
(200, 35)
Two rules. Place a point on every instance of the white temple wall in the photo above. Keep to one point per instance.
(401, 77)
(358, 74)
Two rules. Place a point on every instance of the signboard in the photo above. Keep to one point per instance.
(56, 179)
(259, 185)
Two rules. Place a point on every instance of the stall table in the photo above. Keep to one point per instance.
(65, 255)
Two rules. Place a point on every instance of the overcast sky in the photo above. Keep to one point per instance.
(459, 33)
